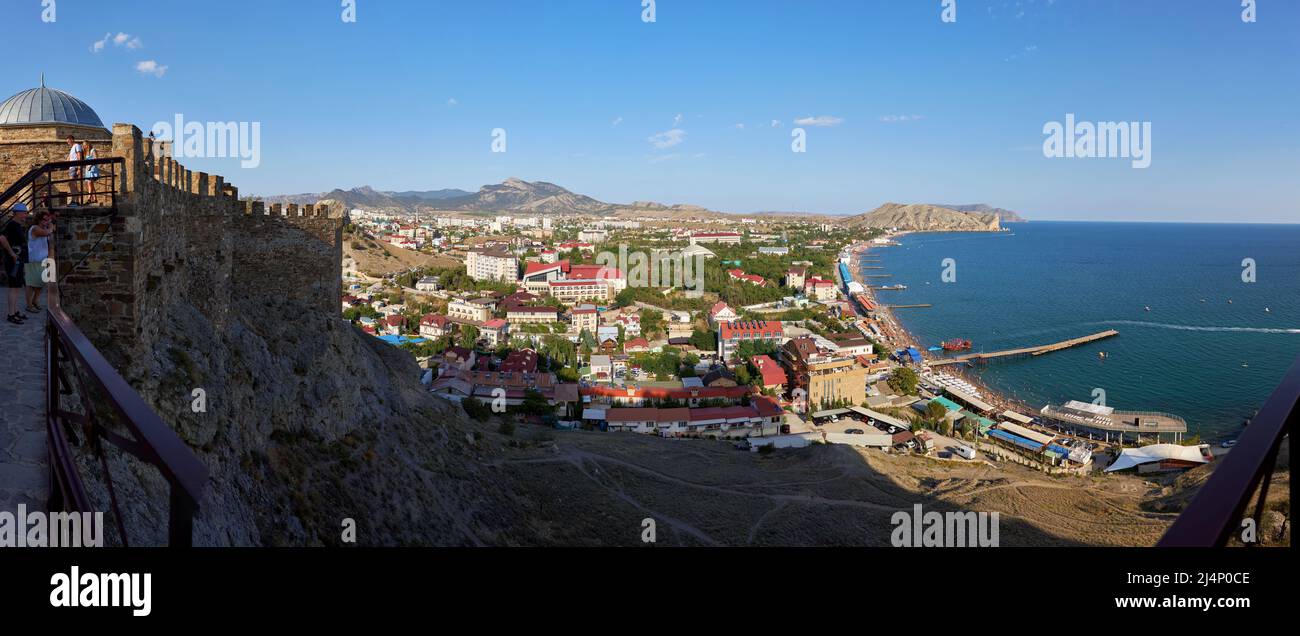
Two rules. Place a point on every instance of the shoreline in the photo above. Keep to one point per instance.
(905, 338)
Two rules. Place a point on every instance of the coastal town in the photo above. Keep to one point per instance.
(767, 332)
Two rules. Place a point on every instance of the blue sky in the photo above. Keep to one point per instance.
(923, 111)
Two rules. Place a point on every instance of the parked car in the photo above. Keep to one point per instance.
(855, 431)
(1229, 444)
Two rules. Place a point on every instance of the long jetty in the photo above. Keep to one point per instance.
(1033, 351)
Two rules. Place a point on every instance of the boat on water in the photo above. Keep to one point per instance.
(894, 287)
(956, 344)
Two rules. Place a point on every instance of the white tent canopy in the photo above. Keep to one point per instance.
(1131, 457)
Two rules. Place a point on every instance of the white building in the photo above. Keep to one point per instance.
(491, 265)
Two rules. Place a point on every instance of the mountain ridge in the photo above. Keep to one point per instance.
(518, 196)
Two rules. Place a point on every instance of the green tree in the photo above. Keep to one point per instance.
(468, 336)
(904, 381)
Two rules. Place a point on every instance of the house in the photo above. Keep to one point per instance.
(470, 311)
(585, 317)
(496, 332)
(602, 368)
(773, 376)
(819, 289)
(457, 357)
(752, 279)
(392, 325)
(436, 326)
(794, 277)
(720, 313)
(719, 376)
(636, 345)
(532, 315)
(428, 283)
(731, 334)
(520, 361)
(631, 324)
(777, 251)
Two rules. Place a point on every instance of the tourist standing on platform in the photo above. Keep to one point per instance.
(75, 153)
(13, 249)
(92, 173)
(38, 250)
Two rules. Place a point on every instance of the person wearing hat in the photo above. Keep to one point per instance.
(13, 248)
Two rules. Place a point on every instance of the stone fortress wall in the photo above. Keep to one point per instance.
(185, 237)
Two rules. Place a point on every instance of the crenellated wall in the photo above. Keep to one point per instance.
(185, 237)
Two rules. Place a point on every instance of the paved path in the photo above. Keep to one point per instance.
(24, 469)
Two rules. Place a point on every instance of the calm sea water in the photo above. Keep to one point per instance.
(1193, 354)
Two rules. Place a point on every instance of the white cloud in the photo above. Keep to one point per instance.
(452, 101)
(820, 120)
(150, 67)
(668, 138)
(677, 121)
(901, 119)
(121, 39)
(1025, 52)
(617, 121)
(739, 126)
(776, 123)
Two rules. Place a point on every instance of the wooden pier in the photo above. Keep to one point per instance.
(1033, 351)
(906, 306)
(872, 267)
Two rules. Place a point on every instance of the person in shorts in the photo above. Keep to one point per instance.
(13, 255)
(75, 153)
(38, 250)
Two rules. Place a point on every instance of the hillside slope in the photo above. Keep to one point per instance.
(924, 217)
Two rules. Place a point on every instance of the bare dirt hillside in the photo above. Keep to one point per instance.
(376, 259)
(708, 493)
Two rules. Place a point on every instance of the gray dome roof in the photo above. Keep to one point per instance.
(47, 106)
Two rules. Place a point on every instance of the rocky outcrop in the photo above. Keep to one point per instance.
(924, 217)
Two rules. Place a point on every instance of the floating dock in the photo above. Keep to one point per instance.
(1033, 351)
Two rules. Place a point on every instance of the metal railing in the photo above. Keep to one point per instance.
(74, 365)
(1217, 510)
(50, 186)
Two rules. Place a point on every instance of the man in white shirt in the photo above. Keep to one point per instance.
(75, 154)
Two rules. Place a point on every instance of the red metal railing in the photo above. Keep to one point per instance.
(73, 364)
(1217, 510)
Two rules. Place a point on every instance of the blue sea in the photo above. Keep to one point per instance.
(1193, 354)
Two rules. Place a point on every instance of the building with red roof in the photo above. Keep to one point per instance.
(773, 375)
(752, 279)
(731, 334)
(436, 326)
(761, 417)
